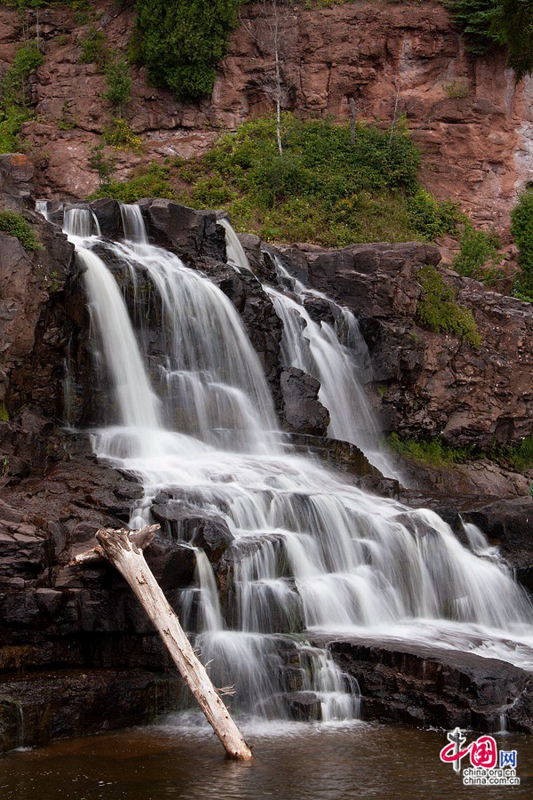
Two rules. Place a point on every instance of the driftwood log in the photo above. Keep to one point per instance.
(124, 549)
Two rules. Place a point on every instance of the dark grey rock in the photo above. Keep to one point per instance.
(302, 410)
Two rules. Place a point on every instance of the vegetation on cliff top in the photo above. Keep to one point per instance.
(333, 185)
(508, 23)
(437, 453)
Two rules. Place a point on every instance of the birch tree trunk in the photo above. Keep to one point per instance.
(124, 551)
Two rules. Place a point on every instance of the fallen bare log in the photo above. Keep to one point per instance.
(124, 549)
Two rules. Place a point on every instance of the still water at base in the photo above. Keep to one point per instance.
(291, 762)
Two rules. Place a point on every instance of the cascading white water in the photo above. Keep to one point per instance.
(309, 551)
(133, 224)
(327, 353)
(235, 254)
(41, 207)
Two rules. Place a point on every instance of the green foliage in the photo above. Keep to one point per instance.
(14, 224)
(104, 166)
(120, 136)
(519, 457)
(430, 451)
(118, 81)
(4, 413)
(508, 23)
(14, 108)
(151, 183)
(328, 186)
(438, 309)
(181, 42)
(522, 230)
(438, 454)
(430, 217)
(93, 47)
(479, 257)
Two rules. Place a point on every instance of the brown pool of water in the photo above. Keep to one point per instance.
(291, 762)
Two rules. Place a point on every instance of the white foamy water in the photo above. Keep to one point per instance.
(309, 552)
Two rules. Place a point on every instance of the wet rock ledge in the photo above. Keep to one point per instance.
(415, 684)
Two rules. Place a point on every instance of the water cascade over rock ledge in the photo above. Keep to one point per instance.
(258, 551)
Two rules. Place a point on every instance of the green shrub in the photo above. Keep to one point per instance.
(182, 42)
(151, 183)
(212, 191)
(120, 136)
(430, 217)
(430, 451)
(103, 164)
(118, 81)
(522, 230)
(14, 224)
(438, 309)
(479, 257)
(93, 47)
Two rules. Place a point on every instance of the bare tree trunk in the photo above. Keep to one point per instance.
(124, 551)
(278, 76)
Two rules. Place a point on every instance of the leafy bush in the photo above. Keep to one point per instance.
(182, 42)
(120, 136)
(430, 451)
(118, 81)
(522, 230)
(438, 309)
(104, 166)
(430, 217)
(151, 183)
(14, 224)
(479, 257)
(93, 47)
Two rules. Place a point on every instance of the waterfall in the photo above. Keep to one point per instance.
(309, 552)
(335, 354)
(41, 207)
(133, 224)
(234, 250)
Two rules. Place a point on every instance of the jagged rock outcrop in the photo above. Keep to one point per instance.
(418, 685)
(470, 119)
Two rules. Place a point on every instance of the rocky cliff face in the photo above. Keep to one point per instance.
(472, 123)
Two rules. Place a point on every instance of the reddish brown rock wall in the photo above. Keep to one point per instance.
(391, 59)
